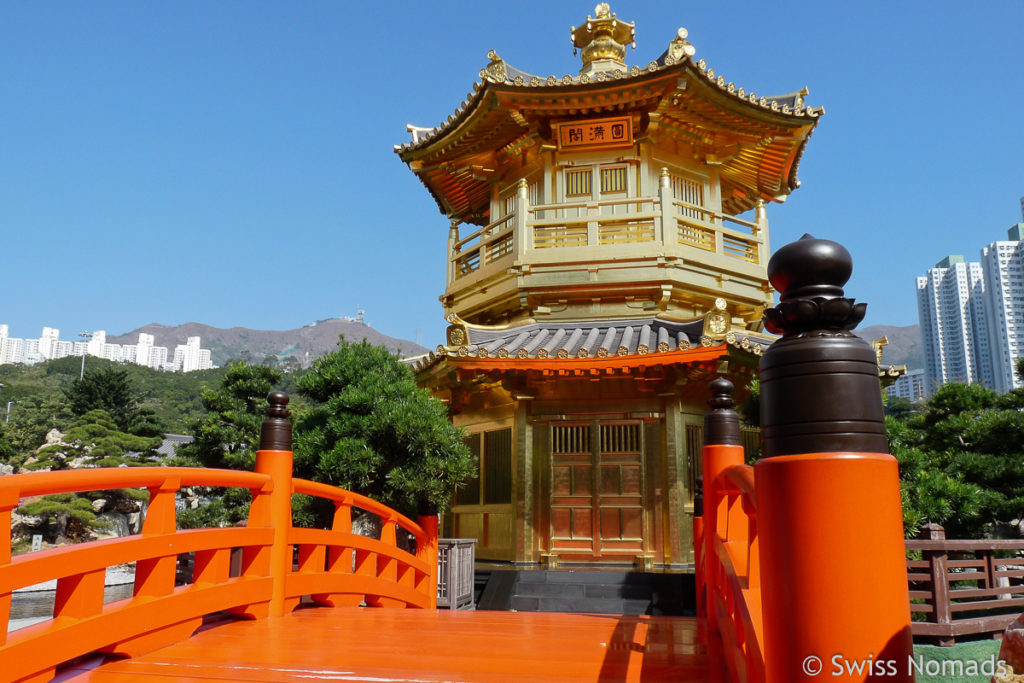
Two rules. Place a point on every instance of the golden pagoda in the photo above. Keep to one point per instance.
(599, 275)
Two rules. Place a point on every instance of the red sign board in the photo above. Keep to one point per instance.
(595, 133)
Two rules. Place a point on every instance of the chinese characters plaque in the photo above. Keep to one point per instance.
(595, 133)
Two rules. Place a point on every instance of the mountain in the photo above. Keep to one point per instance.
(904, 346)
(305, 343)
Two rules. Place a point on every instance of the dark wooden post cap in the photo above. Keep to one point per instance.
(819, 382)
(722, 422)
(276, 430)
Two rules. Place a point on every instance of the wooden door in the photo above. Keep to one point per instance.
(620, 496)
(572, 490)
(596, 491)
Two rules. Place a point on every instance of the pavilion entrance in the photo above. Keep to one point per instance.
(597, 491)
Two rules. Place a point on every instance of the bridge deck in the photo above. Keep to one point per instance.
(363, 644)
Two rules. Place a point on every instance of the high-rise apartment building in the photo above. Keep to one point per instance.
(189, 357)
(951, 313)
(62, 349)
(909, 386)
(47, 342)
(1003, 265)
(972, 316)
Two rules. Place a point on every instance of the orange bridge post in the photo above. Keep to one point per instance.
(275, 458)
(834, 582)
(427, 550)
(723, 449)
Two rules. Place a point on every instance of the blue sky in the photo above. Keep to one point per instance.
(231, 163)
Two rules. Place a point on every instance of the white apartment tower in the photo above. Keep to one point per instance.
(48, 341)
(189, 357)
(1003, 266)
(909, 386)
(952, 318)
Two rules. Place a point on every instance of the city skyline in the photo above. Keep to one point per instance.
(232, 164)
(48, 346)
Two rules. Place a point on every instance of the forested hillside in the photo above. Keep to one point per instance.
(174, 397)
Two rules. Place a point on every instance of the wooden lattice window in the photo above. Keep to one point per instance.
(509, 197)
(570, 439)
(688, 191)
(578, 182)
(497, 466)
(620, 438)
(493, 483)
(613, 179)
(470, 493)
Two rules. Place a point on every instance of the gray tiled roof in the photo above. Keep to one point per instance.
(585, 339)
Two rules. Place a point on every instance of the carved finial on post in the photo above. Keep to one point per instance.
(276, 430)
(722, 422)
(809, 275)
(819, 383)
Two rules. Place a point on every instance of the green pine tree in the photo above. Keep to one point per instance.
(93, 440)
(374, 431)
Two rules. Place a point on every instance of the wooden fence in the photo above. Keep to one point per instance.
(964, 587)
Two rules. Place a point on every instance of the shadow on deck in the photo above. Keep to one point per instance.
(365, 644)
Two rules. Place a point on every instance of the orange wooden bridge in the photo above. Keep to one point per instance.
(281, 620)
(779, 600)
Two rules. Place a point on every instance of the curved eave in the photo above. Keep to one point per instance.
(500, 110)
(585, 364)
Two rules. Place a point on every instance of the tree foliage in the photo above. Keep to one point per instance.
(962, 461)
(372, 430)
(229, 434)
(33, 419)
(107, 389)
(93, 440)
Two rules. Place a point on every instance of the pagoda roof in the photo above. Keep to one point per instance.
(599, 344)
(644, 341)
(757, 140)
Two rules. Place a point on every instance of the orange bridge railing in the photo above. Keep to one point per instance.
(334, 567)
(802, 564)
(733, 566)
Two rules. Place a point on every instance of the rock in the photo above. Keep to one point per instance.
(367, 524)
(114, 524)
(135, 522)
(54, 436)
(128, 505)
(1011, 651)
(24, 525)
(188, 499)
(98, 505)
(6, 469)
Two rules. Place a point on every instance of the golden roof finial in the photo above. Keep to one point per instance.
(603, 40)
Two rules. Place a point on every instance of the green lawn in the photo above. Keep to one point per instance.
(932, 658)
